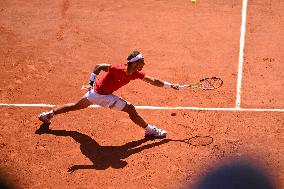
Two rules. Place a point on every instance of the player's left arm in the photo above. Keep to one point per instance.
(98, 68)
(159, 83)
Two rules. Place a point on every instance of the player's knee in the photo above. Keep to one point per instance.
(130, 109)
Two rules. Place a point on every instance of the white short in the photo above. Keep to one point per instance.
(107, 101)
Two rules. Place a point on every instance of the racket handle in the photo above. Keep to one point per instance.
(183, 86)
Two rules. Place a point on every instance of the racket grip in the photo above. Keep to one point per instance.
(183, 86)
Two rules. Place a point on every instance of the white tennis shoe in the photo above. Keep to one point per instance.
(45, 117)
(154, 132)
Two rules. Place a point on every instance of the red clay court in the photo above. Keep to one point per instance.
(49, 48)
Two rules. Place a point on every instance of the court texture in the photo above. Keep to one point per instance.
(48, 49)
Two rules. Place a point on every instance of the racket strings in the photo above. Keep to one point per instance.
(211, 83)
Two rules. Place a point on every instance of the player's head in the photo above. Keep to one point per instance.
(136, 60)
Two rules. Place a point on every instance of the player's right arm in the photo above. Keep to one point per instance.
(159, 83)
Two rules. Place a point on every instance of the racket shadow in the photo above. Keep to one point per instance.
(195, 140)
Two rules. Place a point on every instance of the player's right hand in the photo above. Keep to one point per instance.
(175, 86)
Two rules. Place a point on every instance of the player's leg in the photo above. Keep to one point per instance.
(150, 130)
(133, 115)
(81, 104)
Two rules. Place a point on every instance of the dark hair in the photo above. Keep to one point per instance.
(132, 55)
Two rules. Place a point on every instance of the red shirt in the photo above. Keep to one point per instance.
(115, 78)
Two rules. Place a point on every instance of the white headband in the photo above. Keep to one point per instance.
(137, 57)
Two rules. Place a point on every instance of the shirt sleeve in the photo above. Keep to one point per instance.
(111, 68)
(140, 75)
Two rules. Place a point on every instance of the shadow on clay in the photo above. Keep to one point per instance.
(102, 157)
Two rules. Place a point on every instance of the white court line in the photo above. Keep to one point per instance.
(160, 108)
(241, 54)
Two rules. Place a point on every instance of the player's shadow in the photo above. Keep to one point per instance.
(102, 157)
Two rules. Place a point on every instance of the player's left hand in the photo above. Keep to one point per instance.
(86, 87)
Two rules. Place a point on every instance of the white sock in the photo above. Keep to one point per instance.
(51, 112)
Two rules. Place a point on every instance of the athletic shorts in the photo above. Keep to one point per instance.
(107, 101)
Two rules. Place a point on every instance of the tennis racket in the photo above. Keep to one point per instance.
(208, 83)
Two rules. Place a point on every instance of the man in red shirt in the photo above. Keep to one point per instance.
(100, 92)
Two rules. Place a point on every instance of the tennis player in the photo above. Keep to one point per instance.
(100, 92)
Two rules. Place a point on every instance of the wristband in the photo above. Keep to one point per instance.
(92, 79)
(167, 84)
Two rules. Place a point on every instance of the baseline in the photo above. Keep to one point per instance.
(161, 108)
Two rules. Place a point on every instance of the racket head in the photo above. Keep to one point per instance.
(210, 83)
